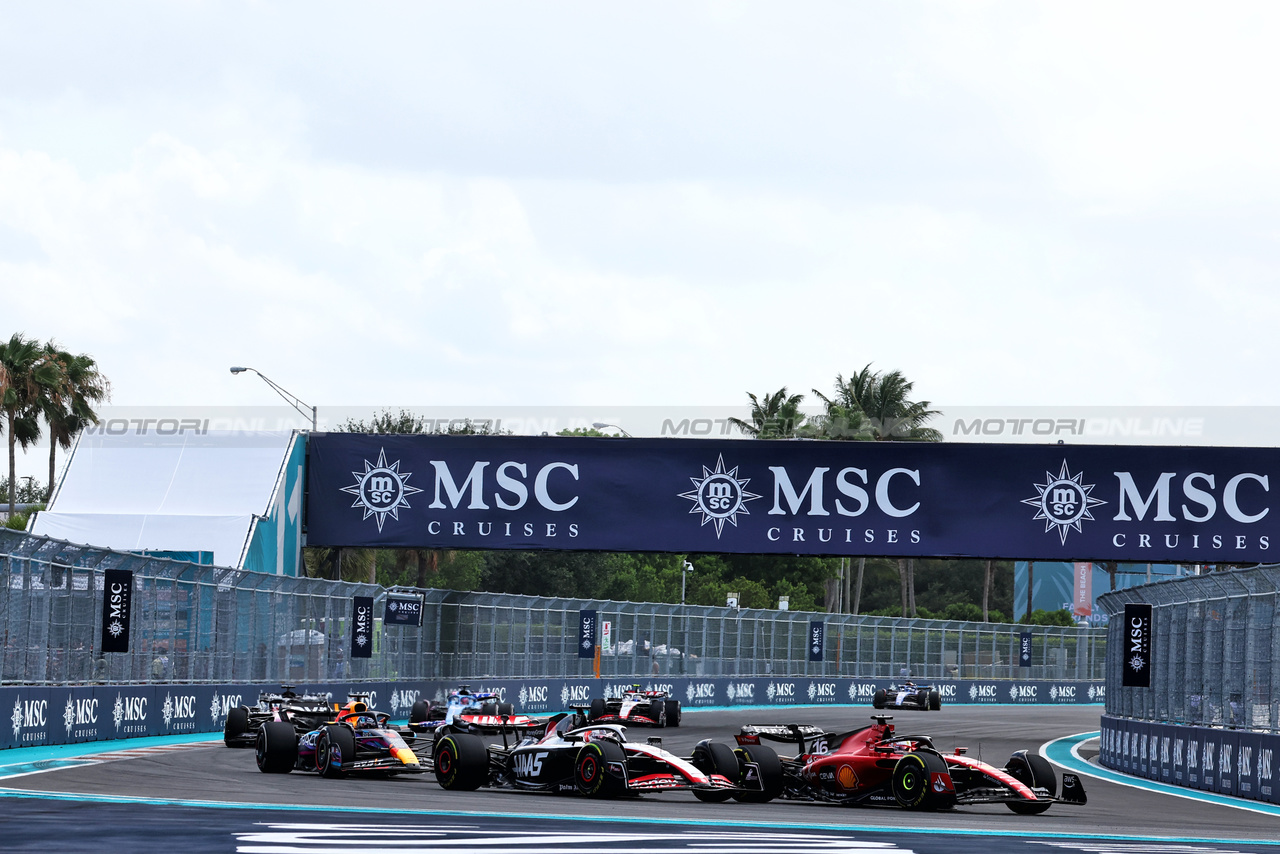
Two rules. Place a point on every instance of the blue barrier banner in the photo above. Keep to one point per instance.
(1228, 759)
(1180, 748)
(1166, 756)
(1128, 503)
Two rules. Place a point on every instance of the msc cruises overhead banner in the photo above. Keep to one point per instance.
(1059, 502)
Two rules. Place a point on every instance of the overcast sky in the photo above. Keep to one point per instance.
(646, 203)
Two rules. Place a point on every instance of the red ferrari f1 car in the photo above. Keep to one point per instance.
(876, 766)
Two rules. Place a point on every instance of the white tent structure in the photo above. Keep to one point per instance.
(236, 495)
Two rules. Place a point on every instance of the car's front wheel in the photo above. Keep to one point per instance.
(1035, 772)
(712, 757)
(760, 774)
(237, 725)
(673, 712)
(591, 772)
(921, 782)
(335, 750)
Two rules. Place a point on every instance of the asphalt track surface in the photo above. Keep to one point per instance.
(206, 797)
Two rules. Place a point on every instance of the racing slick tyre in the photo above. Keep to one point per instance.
(772, 780)
(912, 777)
(1034, 771)
(673, 712)
(658, 712)
(489, 709)
(506, 709)
(597, 709)
(715, 758)
(462, 762)
(236, 726)
(277, 747)
(420, 712)
(935, 701)
(335, 749)
(591, 769)
(879, 699)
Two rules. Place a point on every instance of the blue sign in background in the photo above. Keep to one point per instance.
(1127, 503)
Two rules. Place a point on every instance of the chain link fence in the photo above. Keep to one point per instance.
(193, 623)
(1214, 650)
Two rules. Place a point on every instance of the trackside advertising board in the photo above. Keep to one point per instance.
(1051, 502)
(1230, 762)
(38, 716)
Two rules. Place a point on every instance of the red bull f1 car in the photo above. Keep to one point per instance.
(908, 695)
(569, 754)
(634, 708)
(357, 740)
(877, 766)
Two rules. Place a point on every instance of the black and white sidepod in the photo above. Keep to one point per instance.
(568, 754)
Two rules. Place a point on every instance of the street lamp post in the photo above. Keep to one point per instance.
(292, 399)
(600, 425)
(684, 618)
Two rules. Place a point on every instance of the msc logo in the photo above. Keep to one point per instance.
(822, 691)
(1063, 693)
(700, 691)
(781, 692)
(535, 696)
(741, 691)
(403, 700)
(574, 693)
(182, 708)
(983, 693)
(81, 712)
(381, 489)
(32, 714)
(1022, 693)
(1063, 501)
(131, 712)
(861, 691)
(719, 496)
(221, 705)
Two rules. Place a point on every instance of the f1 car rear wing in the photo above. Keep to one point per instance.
(800, 735)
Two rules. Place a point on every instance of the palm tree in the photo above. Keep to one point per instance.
(69, 408)
(875, 406)
(778, 417)
(26, 376)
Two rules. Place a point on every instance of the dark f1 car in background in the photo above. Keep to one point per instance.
(304, 711)
(876, 766)
(634, 708)
(908, 695)
(568, 754)
(358, 740)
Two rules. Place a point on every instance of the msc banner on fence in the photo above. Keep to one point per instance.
(362, 627)
(1053, 502)
(817, 638)
(117, 604)
(403, 610)
(1136, 658)
(586, 634)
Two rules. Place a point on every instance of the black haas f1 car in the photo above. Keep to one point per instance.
(357, 740)
(569, 754)
(908, 695)
(634, 708)
(304, 711)
(876, 766)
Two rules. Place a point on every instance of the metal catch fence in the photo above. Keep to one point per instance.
(1215, 645)
(194, 623)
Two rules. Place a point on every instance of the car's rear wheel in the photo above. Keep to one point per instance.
(912, 781)
(1034, 771)
(712, 757)
(506, 709)
(591, 771)
(597, 709)
(276, 750)
(489, 709)
(760, 774)
(335, 749)
(935, 701)
(658, 712)
(237, 725)
(462, 762)
(673, 712)
(879, 699)
(420, 712)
